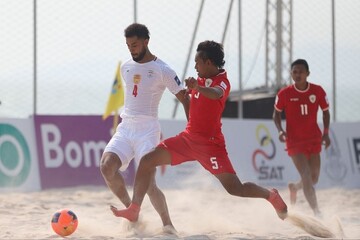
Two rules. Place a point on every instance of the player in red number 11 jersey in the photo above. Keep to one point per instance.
(303, 136)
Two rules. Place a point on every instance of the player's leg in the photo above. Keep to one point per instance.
(146, 171)
(109, 167)
(158, 200)
(302, 164)
(117, 155)
(144, 174)
(315, 165)
(233, 186)
(146, 140)
(293, 188)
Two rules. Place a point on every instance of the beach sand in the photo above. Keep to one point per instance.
(205, 213)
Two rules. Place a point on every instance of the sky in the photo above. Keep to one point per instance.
(79, 44)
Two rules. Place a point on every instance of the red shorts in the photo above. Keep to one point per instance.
(210, 153)
(307, 148)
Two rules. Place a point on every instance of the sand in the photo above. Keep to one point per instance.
(205, 213)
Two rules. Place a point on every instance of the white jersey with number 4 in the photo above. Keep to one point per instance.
(144, 85)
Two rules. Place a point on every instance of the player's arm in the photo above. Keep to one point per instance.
(209, 92)
(326, 123)
(277, 121)
(183, 97)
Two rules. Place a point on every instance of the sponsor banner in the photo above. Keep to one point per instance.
(256, 153)
(70, 149)
(341, 161)
(18, 158)
(258, 156)
(64, 151)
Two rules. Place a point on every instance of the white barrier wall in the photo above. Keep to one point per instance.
(253, 147)
(19, 169)
(257, 155)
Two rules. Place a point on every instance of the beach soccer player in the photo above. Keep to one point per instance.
(303, 137)
(202, 139)
(145, 77)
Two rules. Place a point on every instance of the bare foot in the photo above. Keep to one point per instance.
(114, 211)
(131, 213)
(169, 229)
(278, 203)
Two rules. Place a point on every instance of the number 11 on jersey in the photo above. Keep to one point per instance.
(304, 109)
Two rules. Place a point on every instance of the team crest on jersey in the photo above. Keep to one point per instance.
(136, 78)
(312, 98)
(208, 82)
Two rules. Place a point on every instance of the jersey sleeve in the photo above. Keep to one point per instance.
(280, 101)
(224, 84)
(171, 80)
(323, 100)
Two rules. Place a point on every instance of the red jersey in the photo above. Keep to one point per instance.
(205, 113)
(301, 108)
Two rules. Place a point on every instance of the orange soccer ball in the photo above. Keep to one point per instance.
(64, 222)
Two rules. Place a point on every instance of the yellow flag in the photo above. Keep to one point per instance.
(116, 98)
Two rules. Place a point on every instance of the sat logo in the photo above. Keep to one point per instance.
(261, 157)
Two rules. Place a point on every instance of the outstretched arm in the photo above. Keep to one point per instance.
(183, 97)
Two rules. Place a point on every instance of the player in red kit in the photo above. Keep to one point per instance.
(303, 136)
(202, 139)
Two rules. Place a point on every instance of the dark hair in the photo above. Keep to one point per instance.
(138, 30)
(213, 51)
(300, 62)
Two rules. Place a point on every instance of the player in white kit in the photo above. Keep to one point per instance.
(146, 77)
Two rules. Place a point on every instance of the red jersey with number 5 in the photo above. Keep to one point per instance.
(205, 113)
(301, 108)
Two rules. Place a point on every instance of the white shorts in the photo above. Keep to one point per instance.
(134, 138)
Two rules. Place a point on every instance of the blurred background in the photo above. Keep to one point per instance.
(60, 57)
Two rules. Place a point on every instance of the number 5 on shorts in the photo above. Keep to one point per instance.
(214, 163)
